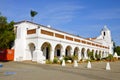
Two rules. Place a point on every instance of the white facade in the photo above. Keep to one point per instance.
(39, 43)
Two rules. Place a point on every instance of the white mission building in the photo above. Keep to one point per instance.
(39, 43)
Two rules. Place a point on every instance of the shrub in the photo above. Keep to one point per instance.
(48, 62)
(68, 58)
(55, 60)
(110, 57)
(74, 57)
(60, 62)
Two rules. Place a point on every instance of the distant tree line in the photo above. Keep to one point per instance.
(117, 50)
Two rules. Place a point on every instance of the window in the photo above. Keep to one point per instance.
(104, 33)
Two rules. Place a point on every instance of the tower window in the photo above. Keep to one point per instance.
(104, 33)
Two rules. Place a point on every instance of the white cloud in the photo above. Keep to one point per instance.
(63, 13)
(104, 14)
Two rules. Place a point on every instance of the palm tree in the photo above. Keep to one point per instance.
(32, 14)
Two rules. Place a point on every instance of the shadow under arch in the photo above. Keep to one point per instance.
(46, 49)
(68, 51)
(58, 50)
(82, 53)
(76, 51)
(31, 49)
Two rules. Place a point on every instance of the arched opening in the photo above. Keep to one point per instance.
(99, 52)
(103, 54)
(98, 55)
(96, 52)
(83, 53)
(106, 54)
(46, 49)
(32, 49)
(76, 50)
(68, 51)
(88, 51)
(58, 50)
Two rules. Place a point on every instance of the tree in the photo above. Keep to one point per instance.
(32, 14)
(7, 35)
(117, 50)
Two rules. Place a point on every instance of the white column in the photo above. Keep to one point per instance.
(52, 55)
(72, 52)
(107, 54)
(103, 54)
(85, 55)
(79, 56)
(94, 55)
(63, 52)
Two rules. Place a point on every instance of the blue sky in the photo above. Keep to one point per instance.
(81, 17)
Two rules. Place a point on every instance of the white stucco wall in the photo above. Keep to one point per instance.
(22, 50)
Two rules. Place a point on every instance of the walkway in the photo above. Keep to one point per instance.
(33, 71)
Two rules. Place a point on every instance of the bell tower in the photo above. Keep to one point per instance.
(106, 35)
